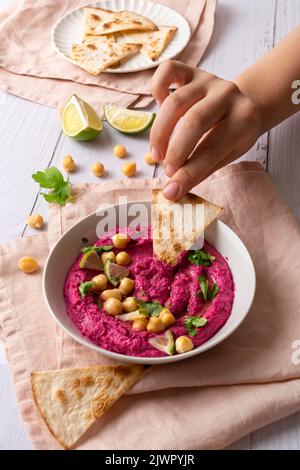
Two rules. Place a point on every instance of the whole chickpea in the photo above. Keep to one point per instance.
(140, 324)
(129, 304)
(113, 306)
(120, 151)
(155, 325)
(148, 159)
(28, 265)
(98, 169)
(100, 283)
(120, 240)
(35, 221)
(68, 163)
(108, 255)
(123, 258)
(183, 344)
(126, 286)
(167, 317)
(111, 294)
(129, 169)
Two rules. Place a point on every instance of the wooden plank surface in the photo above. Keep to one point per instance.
(30, 139)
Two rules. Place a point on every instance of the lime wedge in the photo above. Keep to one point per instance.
(128, 121)
(91, 260)
(79, 120)
(164, 343)
(114, 272)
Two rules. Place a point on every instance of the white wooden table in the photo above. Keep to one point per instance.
(31, 139)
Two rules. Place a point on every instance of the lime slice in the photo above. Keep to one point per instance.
(128, 121)
(164, 343)
(79, 120)
(114, 272)
(131, 316)
(91, 260)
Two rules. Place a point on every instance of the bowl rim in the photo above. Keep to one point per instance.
(138, 359)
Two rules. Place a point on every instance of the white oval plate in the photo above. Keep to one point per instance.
(69, 30)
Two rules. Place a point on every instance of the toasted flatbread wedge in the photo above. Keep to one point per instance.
(98, 21)
(70, 400)
(108, 38)
(96, 56)
(153, 42)
(177, 225)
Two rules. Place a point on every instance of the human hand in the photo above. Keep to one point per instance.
(217, 123)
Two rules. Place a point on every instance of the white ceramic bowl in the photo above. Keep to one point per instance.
(218, 234)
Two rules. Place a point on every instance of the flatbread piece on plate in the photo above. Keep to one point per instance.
(176, 226)
(98, 21)
(97, 56)
(70, 400)
(153, 42)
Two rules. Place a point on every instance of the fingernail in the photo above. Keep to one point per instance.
(156, 155)
(170, 169)
(172, 190)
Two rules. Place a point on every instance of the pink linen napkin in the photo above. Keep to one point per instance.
(30, 67)
(206, 402)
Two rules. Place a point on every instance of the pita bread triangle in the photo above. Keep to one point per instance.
(98, 21)
(177, 225)
(70, 400)
(153, 42)
(97, 55)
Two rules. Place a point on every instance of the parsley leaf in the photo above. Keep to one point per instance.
(53, 179)
(98, 249)
(85, 241)
(85, 287)
(152, 309)
(208, 294)
(201, 258)
(192, 323)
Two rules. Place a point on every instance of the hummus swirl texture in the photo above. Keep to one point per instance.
(176, 287)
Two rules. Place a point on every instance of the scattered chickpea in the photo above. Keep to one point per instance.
(98, 169)
(68, 163)
(28, 265)
(140, 324)
(108, 255)
(155, 325)
(120, 240)
(129, 304)
(167, 317)
(100, 283)
(123, 258)
(148, 159)
(113, 306)
(126, 286)
(120, 151)
(35, 221)
(111, 294)
(129, 169)
(183, 344)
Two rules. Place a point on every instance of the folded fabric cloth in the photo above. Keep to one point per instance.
(31, 67)
(205, 402)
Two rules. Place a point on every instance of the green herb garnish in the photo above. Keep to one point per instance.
(85, 241)
(208, 294)
(201, 258)
(53, 179)
(192, 323)
(98, 249)
(151, 309)
(85, 287)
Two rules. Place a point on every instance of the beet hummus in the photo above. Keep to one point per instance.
(191, 290)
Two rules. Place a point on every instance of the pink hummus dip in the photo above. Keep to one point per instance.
(174, 287)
